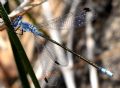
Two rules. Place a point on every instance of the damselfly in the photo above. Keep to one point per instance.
(24, 26)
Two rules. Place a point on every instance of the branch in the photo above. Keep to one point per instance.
(90, 44)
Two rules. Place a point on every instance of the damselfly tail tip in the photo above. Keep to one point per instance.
(107, 72)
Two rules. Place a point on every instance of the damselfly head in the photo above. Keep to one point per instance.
(16, 21)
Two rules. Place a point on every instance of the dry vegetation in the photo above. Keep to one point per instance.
(106, 34)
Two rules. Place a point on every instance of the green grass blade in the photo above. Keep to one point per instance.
(20, 68)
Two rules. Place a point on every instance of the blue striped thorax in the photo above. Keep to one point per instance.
(25, 26)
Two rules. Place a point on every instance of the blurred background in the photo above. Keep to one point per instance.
(91, 28)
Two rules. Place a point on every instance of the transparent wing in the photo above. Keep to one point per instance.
(52, 79)
(49, 64)
(79, 19)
